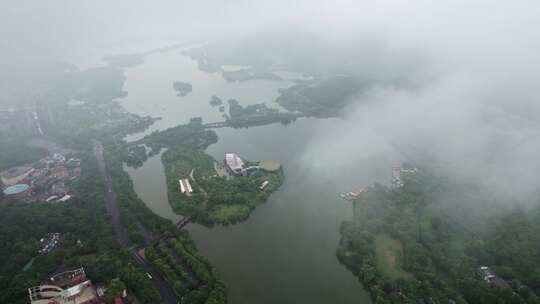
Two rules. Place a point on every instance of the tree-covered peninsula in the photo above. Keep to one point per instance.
(433, 240)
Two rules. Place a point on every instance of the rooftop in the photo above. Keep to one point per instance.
(67, 287)
(233, 161)
(69, 278)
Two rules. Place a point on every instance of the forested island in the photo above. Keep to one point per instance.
(405, 248)
(182, 88)
(218, 196)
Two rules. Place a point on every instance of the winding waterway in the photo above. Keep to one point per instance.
(285, 252)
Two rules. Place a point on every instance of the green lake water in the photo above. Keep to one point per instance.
(285, 252)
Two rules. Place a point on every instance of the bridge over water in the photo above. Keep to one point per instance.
(215, 125)
(183, 222)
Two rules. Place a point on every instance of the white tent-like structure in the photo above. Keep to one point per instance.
(234, 164)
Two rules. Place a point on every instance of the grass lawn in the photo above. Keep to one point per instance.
(229, 213)
(389, 252)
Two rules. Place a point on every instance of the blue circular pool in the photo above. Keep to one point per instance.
(16, 189)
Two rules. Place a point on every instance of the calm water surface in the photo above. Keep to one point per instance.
(285, 252)
(150, 91)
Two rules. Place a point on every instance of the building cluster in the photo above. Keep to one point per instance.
(185, 186)
(489, 277)
(69, 287)
(48, 242)
(46, 179)
(352, 195)
(263, 185)
(235, 166)
(397, 175)
(72, 287)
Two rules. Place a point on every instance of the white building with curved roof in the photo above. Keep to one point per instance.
(234, 164)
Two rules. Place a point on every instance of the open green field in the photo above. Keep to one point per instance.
(227, 213)
(389, 253)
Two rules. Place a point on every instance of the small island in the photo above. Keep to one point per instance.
(203, 189)
(212, 192)
(215, 101)
(256, 115)
(182, 88)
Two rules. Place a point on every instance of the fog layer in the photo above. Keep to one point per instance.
(470, 67)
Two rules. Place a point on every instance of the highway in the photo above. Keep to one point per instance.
(121, 232)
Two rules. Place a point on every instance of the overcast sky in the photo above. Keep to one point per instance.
(461, 30)
(477, 62)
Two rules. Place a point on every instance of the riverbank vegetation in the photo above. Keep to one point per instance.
(256, 115)
(75, 126)
(321, 98)
(134, 156)
(193, 278)
(141, 222)
(192, 135)
(404, 249)
(170, 250)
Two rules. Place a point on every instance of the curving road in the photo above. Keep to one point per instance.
(121, 232)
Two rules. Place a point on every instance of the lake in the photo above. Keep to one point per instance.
(285, 251)
(150, 91)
